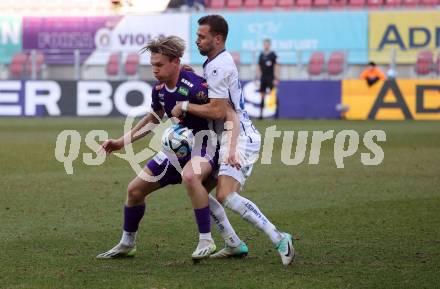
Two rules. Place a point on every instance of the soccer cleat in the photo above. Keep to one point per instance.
(204, 249)
(118, 251)
(285, 248)
(240, 251)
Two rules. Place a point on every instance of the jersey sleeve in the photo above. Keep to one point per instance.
(155, 103)
(218, 82)
(275, 57)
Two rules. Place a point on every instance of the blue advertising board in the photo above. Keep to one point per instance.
(292, 32)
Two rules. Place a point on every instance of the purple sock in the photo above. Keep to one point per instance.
(132, 217)
(203, 220)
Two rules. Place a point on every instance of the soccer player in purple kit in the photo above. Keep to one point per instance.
(174, 85)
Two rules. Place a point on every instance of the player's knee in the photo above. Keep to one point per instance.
(134, 194)
(221, 196)
(189, 178)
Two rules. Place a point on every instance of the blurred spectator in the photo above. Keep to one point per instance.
(372, 74)
(267, 71)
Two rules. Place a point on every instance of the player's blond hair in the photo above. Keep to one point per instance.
(171, 46)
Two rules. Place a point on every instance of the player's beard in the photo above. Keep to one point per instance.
(206, 51)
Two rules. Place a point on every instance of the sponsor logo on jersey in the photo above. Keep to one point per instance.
(187, 82)
(183, 90)
(202, 96)
(214, 72)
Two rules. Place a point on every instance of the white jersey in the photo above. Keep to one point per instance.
(221, 75)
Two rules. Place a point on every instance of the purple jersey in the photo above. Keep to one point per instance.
(190, 87)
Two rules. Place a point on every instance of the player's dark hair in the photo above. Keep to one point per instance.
(372, 63)
(217, 25)
(171, 46)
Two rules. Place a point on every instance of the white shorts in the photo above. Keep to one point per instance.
(248, 148)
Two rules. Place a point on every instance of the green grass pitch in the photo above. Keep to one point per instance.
(358, 227)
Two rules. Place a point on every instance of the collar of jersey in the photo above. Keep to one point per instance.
(209, 60)
(170, 90)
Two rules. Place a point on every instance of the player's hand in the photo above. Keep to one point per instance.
(276, 82)
(111, 145)
(187, 67)
(234, 159)
(177, 110)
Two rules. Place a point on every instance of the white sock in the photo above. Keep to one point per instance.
(205, 236)
(250, 212)
(218, 216)
(128, 238)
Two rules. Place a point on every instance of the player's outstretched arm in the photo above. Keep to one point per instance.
(139, 131)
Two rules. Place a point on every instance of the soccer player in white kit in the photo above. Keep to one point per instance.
(224, 89)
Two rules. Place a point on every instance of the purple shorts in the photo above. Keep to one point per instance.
(173, 175)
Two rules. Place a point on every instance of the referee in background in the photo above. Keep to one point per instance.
(267, 71)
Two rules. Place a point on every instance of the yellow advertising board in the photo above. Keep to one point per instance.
(392, 100)
(406, 32)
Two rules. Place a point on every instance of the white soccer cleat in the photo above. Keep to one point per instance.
(285, 248)
(239, 251)
(204, 249)
(118, 251)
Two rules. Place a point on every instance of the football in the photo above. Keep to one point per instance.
(178, 139)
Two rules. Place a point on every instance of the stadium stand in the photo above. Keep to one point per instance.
(39, 64)
(234, 4)
(321, 4)
(304, 4)
(216, 4)
(268, 4)
(17, 66)
(429, 2)
(131, 66)
(424, 62)
(316, 63)
(251, 4)
(286, 4)
(112, 67)
(392, 3)
(437, 64)
(356, 4)
(338, 4)
(374, 4)
(336, 63)
(409, 3)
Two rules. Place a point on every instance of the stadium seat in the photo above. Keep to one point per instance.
(304, 3)
(234, 4)
(392, 3)
(251, 4)
(337, 4)
(374, 3)
(217, 4)
(321, 4)
(409, 3)
(286, 4)
(112, 67)
(17, 66)
(131, 64)
(39, 63)
(437, 64)
(429, 2)
(336, 63)
(316, 63)
(356, 3)
(268, 4)
(424, 62)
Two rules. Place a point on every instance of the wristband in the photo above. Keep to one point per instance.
(185, 106)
